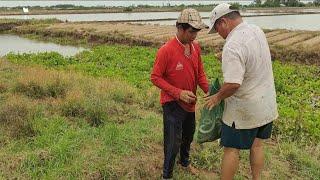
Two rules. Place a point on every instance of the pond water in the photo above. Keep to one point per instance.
(16, 44)
(295, 22)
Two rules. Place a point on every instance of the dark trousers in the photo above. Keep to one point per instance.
(178, 131)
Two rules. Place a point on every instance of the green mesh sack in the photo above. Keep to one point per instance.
(210, 121)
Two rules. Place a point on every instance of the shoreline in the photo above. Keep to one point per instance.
(205, 17)
(296, 10)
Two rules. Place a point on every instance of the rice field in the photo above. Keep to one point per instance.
(163, 32)
(283, 43)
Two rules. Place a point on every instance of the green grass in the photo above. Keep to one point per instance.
(65, 150)
(299, 111)
(40, 138)
(97, 115)
(132, 64)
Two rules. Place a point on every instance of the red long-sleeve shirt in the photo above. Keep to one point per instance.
(173, 72)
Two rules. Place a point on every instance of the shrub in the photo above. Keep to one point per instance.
(128, 9)
(15, 118)
(56, 89)
(73, 108)
(96, 112)
(91, 109)
(3, 88)
(36, 90)
(30, 89)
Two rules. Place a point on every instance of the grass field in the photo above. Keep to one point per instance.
(96, 115)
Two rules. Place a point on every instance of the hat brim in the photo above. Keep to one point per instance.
(212, 30)
(199, 25)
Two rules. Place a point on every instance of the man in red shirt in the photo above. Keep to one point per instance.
(177, 71)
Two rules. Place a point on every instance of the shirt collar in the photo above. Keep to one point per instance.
(183, 46)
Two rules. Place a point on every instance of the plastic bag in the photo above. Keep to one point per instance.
(210, 121)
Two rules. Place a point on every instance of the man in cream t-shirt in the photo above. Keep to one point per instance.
(248, 90)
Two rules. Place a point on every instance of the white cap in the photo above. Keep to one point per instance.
(218, 12)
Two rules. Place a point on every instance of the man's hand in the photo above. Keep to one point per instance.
(211, 101)
(188, 97)
(227, 90)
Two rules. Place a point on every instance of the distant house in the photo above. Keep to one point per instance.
(25, 10)
(288, 1)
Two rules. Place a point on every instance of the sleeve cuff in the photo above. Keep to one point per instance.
(177, 94)
(233, 80)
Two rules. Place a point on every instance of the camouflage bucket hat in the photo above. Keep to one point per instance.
(191, 17)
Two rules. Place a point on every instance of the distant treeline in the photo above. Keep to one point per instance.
(255, 3)
(59, 6)
(287, 3)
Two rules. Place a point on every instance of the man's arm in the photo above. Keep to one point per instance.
(233, 68)
(227, 90)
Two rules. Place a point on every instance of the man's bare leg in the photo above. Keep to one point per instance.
(256, 158)
(230, 163)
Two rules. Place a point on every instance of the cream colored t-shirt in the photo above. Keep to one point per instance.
(246, 60)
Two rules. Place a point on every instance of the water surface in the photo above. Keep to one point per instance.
(16, 44)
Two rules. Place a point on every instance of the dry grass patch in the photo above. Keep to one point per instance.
(275, 32)
(16, 114)
(282, 36)
(3, 87)
(73, 95)
(296, 39)
(311, 42)
(38, 84)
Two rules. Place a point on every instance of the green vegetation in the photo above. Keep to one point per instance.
(287, 3)
(278, 3)
(299, 111)
(128, 9)
(96, 115)
(316, 2)
(133, 64)
(86, 129)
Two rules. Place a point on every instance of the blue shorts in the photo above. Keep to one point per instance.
(243, 138)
